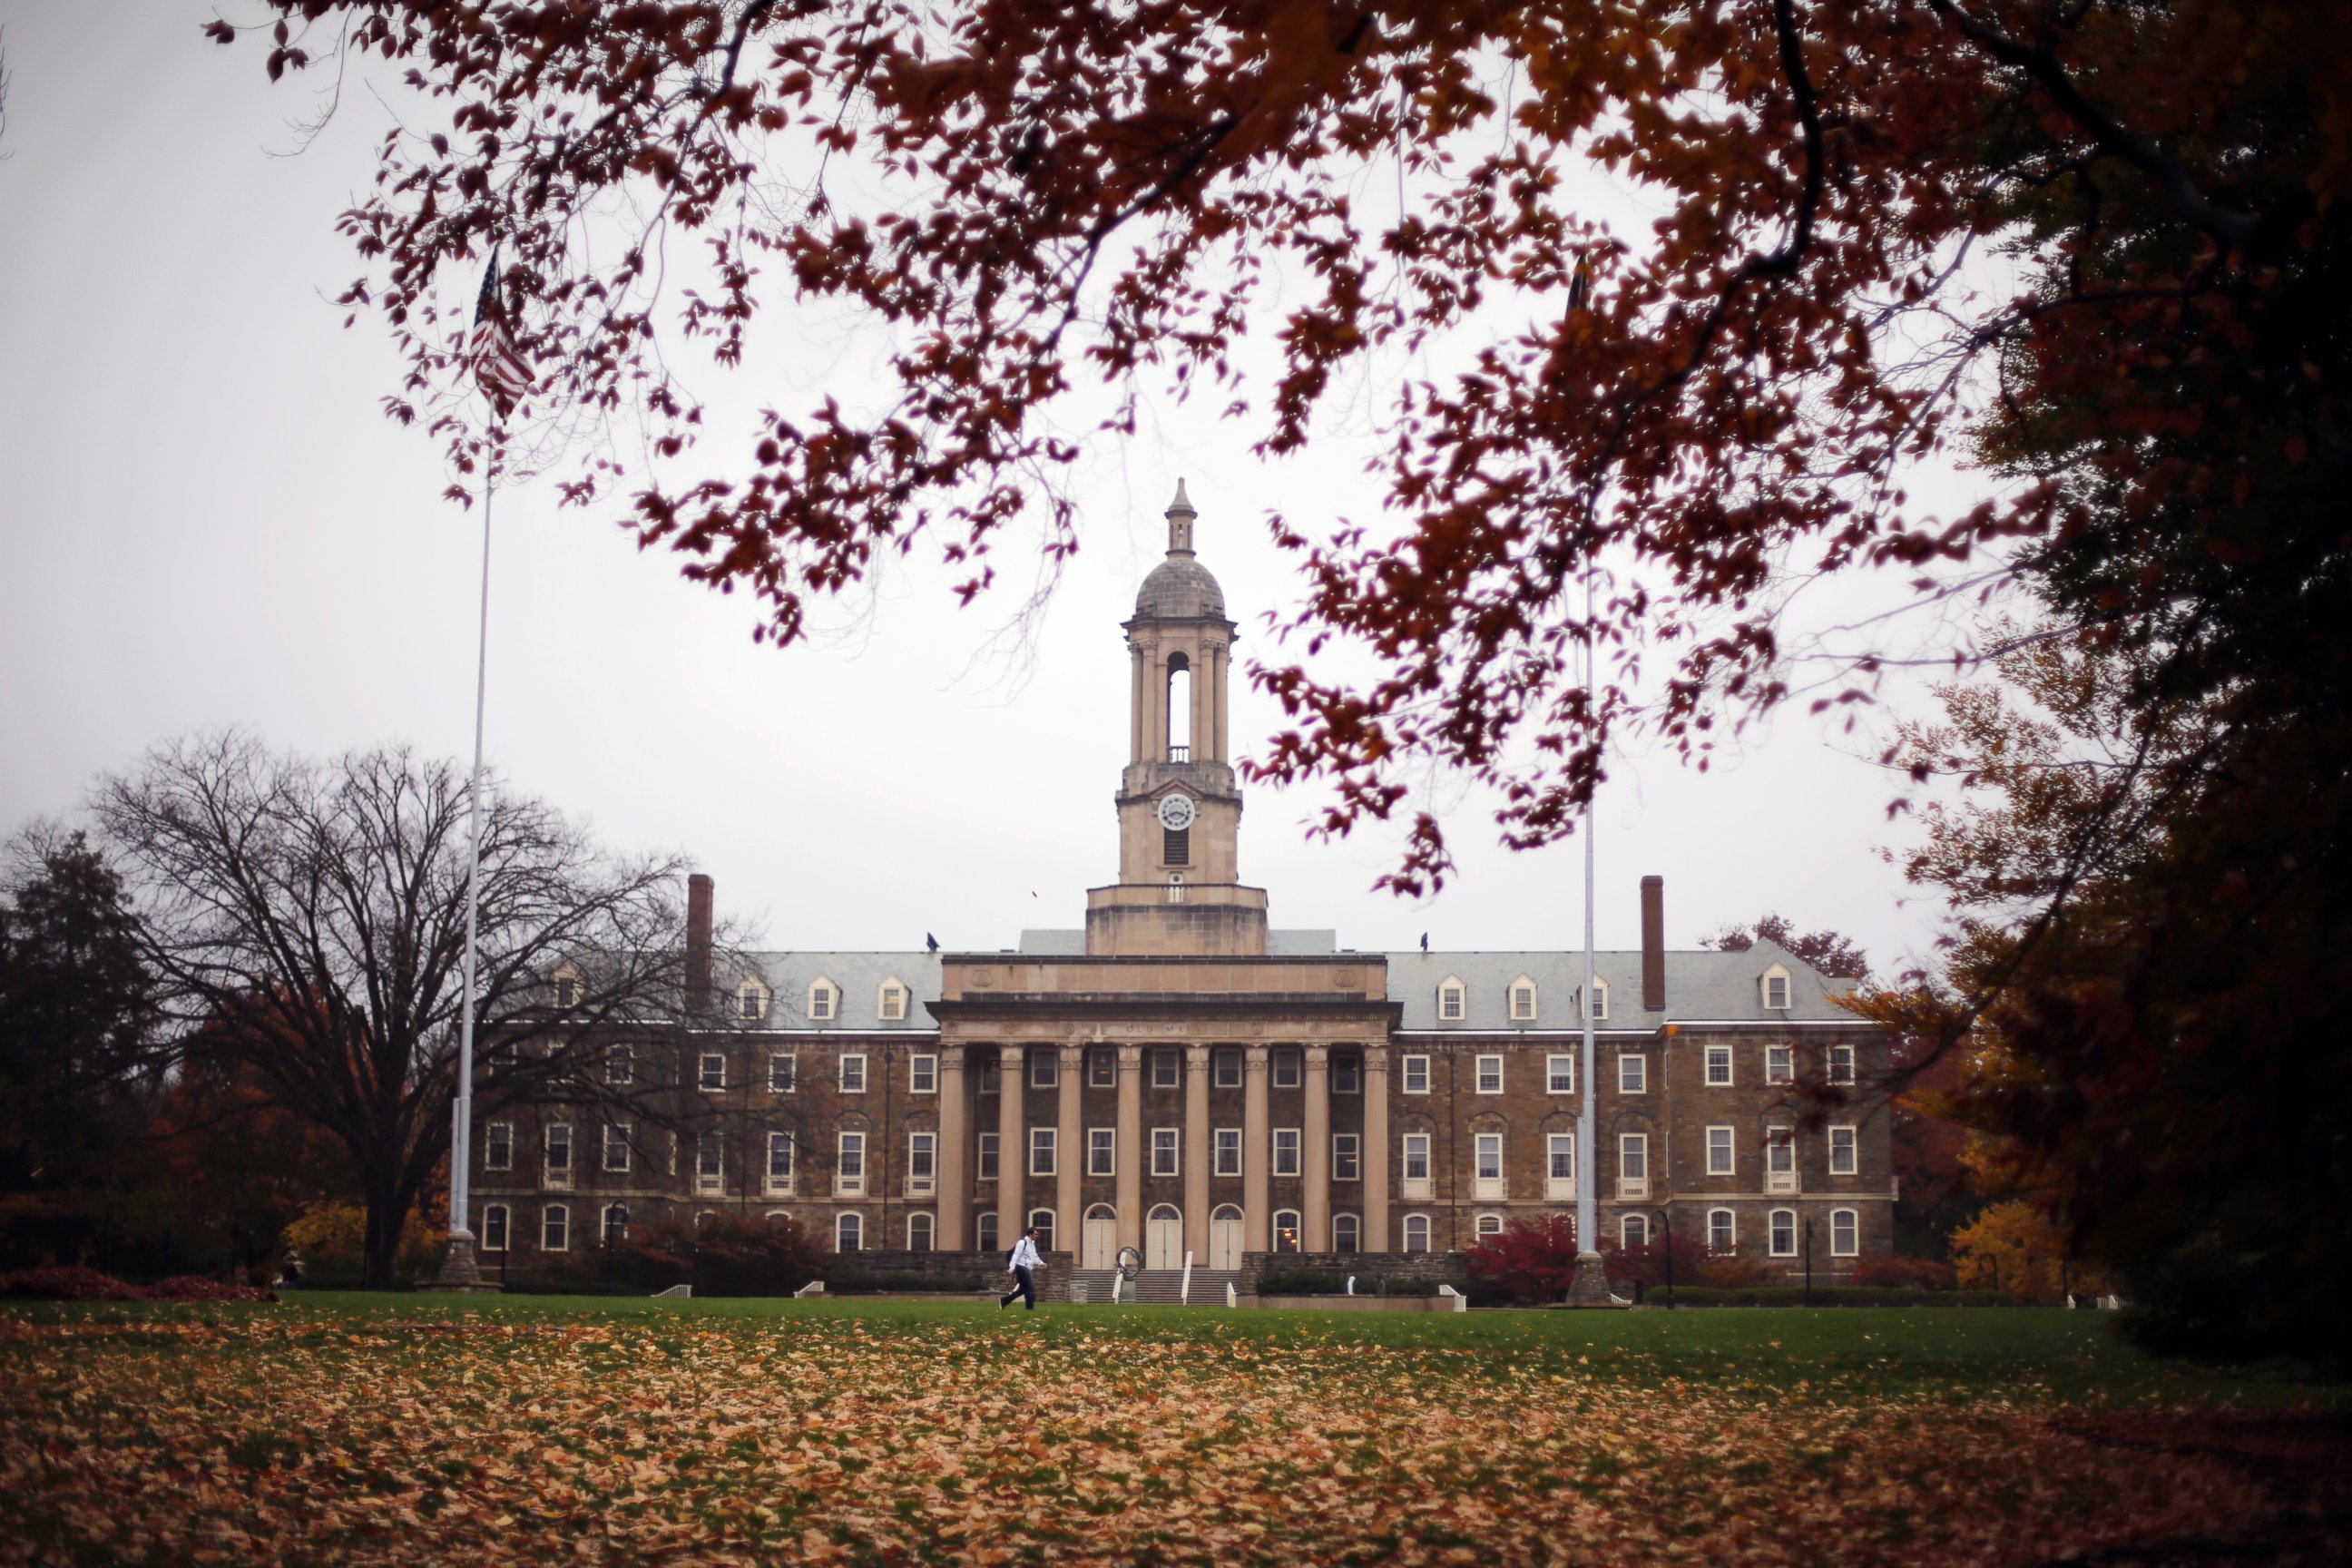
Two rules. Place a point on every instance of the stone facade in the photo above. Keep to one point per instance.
(1180, 1076)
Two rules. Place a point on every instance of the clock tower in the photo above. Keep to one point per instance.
(1179, 811)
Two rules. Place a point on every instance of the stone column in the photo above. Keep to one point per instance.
(955, 1153)
(1069, 1158)
(1375, 1148)
(1012, 1144)
(1129, 1190)
(1257, 1224)
(1196, 1151)
(1315, 1160)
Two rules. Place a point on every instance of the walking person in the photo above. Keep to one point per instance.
(1024, 1260)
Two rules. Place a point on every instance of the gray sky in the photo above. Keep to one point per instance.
(207, 521)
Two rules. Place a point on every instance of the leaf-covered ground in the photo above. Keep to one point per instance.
(407, 1429)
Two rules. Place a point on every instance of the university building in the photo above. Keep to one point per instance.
(1180, 1077)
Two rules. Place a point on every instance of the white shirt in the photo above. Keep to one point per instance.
(1026, 1255)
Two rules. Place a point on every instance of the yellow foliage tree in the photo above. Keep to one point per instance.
(2016, 1248)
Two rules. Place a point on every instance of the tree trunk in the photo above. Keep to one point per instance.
(387, 1216)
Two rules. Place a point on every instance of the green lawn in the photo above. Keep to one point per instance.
(345, 1427)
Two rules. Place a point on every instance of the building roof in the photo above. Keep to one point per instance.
(857, 975)
(1179, 588)
(1703, 987)
(1071, 942)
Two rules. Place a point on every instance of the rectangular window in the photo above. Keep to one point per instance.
(1600, 1000)
(821, 1002)
(783, 1072)
(1559, 1165)
(1776, 991)
(1347, 1073)
(1286, 1067)
(1227, 1142)
(1415, 1072)
(1346, 1157)
(1633, 1164)
(555, 1228)
(894, 1003)
(1175, 846)
(709, 1163)
(1163, 1070)
(849, 1171)
(1225, 1066)
(1779, 1064)
(1719, 1065)
(616, 1147)
(1842, 1064)
(983, 1162)
(1490, 1075)
(779, 1161)
(1779, 1160)
(1285, 1151)
(1559, 1074)
(1045, 1069)
(1633, 1073)
(1041, 1150)
(1164, 1153)
(923, 1075)
(1102, 1069)
(922, 1162)
(712, 1077)
(1784, 1232)
(621, 1065)
(1845, 1157)
(494, 1229)
(1718, 1151)
(1490, 1156)
(853, 1073)
(1102, 1150)
(559, 1149)
(1845, 1234)
(1450, 1002)
(1416, 1157)
(497, 1146)
(989, 1075)
(1523, 1004)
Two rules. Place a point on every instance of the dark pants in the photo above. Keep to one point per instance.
(1025, 1288)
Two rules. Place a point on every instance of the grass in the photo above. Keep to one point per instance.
(346, 1427)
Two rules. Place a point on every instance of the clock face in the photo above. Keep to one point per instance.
(1176, 813)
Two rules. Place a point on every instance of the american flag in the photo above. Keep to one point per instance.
(497, 361)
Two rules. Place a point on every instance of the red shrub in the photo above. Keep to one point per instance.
(1529, 1261)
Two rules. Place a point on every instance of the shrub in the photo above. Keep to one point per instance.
(1833, 1296)
(1302, 1282)
(1905, 1273)
(1528, 1261)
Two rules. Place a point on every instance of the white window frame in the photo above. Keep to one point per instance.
(1719, 1066)
(1453, 1001)
(1774, 991)
(711, 1072)
(1841, 1064)
(849, 1165)
(605, 1228)
(1779, 1064)
(500, 1238)
(1633, 1156)
(1045, 1151)
(1289, 1152)
(710, 1174)
(751, 1001)
(1728, 1243)
(561, 1214)
(1346, 1233)
(1412, 1222)
(844, 1224)
(852, 1072)
(1781, 1159)
(1851, 1244)
(1102, 1150)
(1487, 1069)
(1043, 1221)
(1845, 1149)
(779, 1184)
(890, 999)
(1486, 1157)
(1486, 1224)
(1411, 1067)
(928, 1231)
(621, 1064)
(1163, 1057)
(789, 1080)
(987, 1158)
(922, 1073)
(1168, 1142)
(556, 1169)
(1044, 1067)
(1293, 1222)
(1286, 1067)
(823, 1001)
(1722, 1150)
(1347, 1073)
(1346, 1157)
(1600, 1000)
(1560, 1147)
(1636, 1081)
(1773, 1220)
(1627, 1224)
(922, 1163)
(497, 1146)
(616, 1141)
(1102, 1068)
(1523, 1000)
(1224, 1152)
(1560, 1073)
(1415, 1149)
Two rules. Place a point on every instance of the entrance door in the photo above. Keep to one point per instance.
(1163, 1239)
(1098, 1240)
(1225, 1238)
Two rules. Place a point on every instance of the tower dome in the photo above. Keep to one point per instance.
(1179, 588)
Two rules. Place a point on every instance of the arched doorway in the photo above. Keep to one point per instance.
(1098, 1238)
(1163, 1238)
(1226, 1238)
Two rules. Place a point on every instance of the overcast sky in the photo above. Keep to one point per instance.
(207, 521)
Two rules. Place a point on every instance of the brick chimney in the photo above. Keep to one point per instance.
(1654, 943)
(697, 943)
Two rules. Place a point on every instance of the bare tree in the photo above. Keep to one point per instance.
(307, 918)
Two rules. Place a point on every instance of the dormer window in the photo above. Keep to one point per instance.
(1599, 999)
(1523, 1000)
(1775, 986)
(1453, 1001)
(824, 1002)
(751, 1000)
(890, 1002)
(564, 988)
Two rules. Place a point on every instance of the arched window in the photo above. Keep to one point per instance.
(1287, 1230)
(983, 1231)
(1180, 708)
(1782, 1228)
(779, 1216)
(616, 1224)
(705, 1219)
(555, 1228)
(1722, 1232)
(1041, 1222)
(1633, 1230)
(1416, 1233)
(919, 1233)
(1845, 1234)
(849, 1233)
(1489, 1225)
(494, 1228)
(1346, 1233)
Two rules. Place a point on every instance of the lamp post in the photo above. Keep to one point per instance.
(1809, 1260)
(1666, 1223)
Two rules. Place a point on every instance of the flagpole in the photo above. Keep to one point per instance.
(459, 1270)
(1591, 1286)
